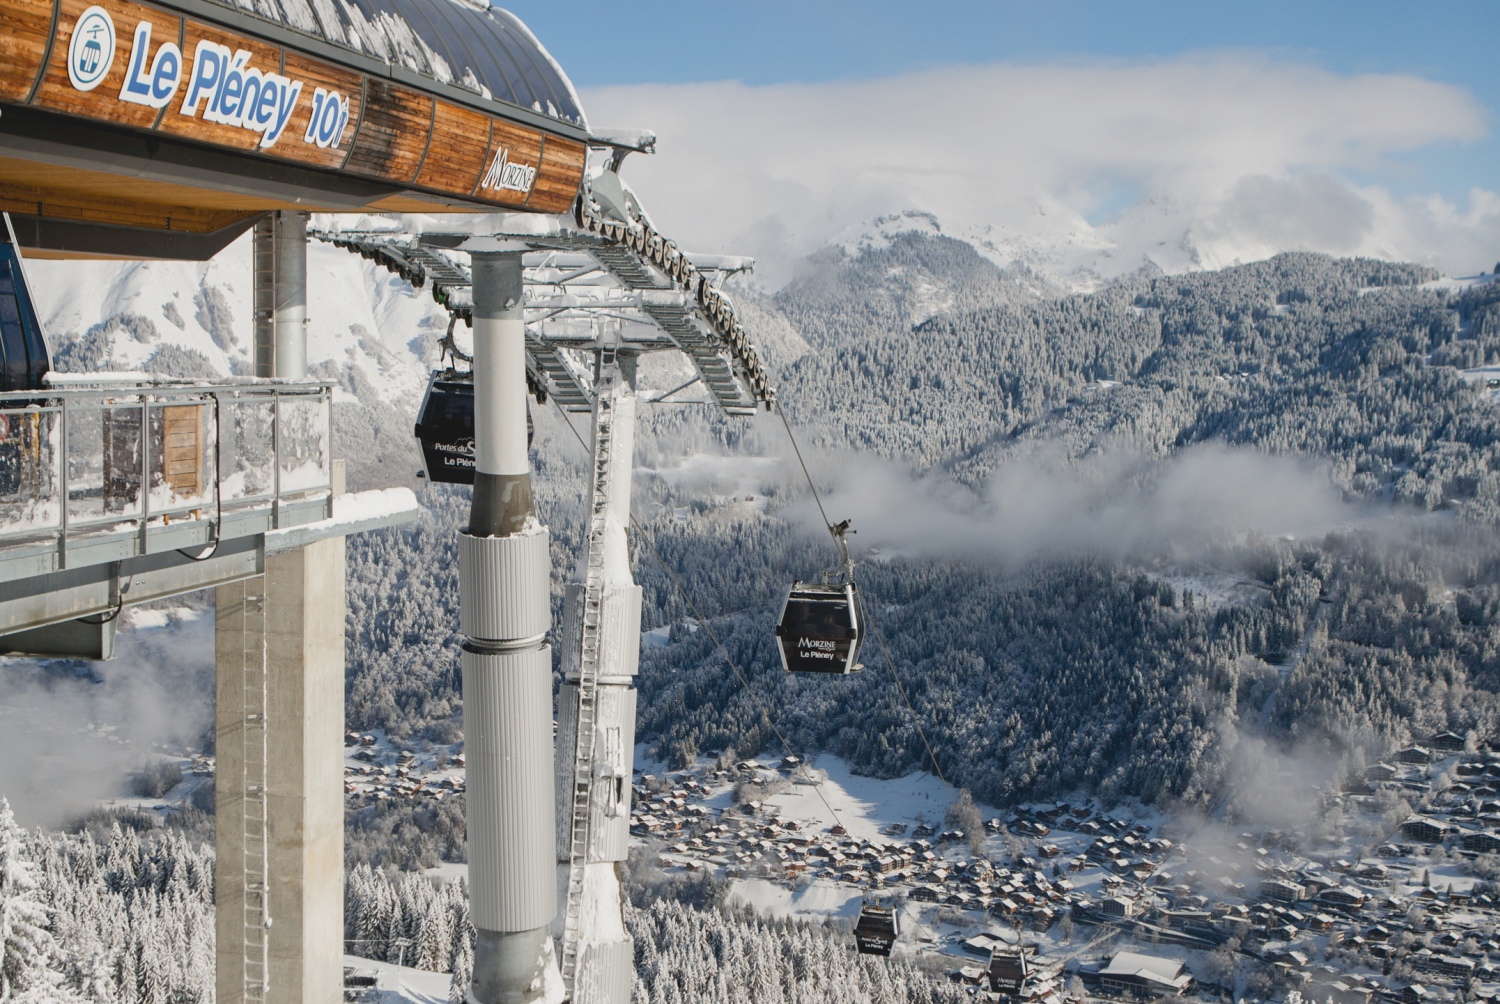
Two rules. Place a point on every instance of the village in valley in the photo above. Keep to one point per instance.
(1389, 894)
(1063, 901)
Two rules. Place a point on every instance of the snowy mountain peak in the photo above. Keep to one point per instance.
(876, 234)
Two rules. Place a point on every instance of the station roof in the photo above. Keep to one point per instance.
(165, 128)
(471, 46)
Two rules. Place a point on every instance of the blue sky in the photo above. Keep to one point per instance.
(782, 41)
(614, 53)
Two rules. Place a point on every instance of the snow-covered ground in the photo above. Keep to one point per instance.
(1215, 590)
(821, 899)
(1487, 378)
(1458, 284)
(864, 805)
(401, 984)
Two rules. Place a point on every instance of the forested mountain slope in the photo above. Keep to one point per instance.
(1147, 665)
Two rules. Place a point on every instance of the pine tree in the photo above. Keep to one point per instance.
(434, 938)
(461, 965)
(26, 945)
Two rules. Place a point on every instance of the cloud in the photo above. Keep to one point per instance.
(1311, 212)
(1229, 152)
(1117, 505)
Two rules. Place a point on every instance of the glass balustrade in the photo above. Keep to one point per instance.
(89, 460)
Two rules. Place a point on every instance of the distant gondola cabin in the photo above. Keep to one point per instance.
(820, 629)
(876, 930)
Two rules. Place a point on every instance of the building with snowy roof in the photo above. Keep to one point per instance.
(1139, 975)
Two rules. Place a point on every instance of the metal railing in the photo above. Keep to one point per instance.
(109, 456)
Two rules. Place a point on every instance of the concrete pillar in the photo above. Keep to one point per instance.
(300, 599)
(304, 615)
(230, 616)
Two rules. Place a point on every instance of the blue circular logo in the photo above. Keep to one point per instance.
(92, 50)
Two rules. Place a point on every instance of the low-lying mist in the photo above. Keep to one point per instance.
(1116, 505)
(71, 732)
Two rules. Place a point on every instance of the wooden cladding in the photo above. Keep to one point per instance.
(393, 134)
(456, 149)
(562, 160)
(182, 448)
(25, 34)
(174, 75)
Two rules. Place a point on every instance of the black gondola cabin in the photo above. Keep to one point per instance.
(445, 425)
(820, 629)
(876, 930)
(23, 351)
(23, 366)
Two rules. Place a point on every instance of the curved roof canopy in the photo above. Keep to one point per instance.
(481, 49)
(163, 128)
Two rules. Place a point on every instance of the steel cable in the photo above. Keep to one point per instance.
(880, 639)
(708, 629)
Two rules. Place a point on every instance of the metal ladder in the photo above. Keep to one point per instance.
(588, 689)
(257, 846)
(263, 297)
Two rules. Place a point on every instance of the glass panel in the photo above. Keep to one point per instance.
(85, 460)
(518, 67)
(104, 462)
(12, 349)
(28, 470)
(443, 33)
(542, 71)
(246, 463)
(305, 449)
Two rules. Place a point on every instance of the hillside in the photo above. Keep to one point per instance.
(1113, 540)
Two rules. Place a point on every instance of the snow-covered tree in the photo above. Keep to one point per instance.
(26, 946)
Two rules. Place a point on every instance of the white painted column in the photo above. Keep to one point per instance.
(290, 318)
(279, 295)
(505, 611)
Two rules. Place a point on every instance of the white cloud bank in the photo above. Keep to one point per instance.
(1222, 157)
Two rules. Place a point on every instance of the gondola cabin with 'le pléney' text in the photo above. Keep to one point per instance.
(877, 929)
(821, 624)
(820, 628)
(445, 426)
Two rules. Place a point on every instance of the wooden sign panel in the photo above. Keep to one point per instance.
(145, 67)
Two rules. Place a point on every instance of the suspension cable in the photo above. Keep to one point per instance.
(838, 535)
(641, 534)
(781, 411)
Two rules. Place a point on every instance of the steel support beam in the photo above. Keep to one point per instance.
(601, 656)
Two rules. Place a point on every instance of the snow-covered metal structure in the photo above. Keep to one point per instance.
(596, 293)
(166, 130)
